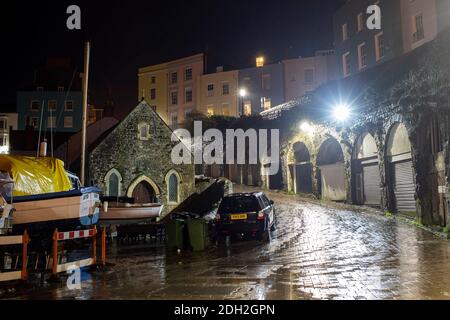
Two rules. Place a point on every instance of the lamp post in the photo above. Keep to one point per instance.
(242, 95)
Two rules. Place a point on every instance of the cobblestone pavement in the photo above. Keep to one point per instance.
(318, 252)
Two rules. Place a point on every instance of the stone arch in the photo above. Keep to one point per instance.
(301, 170)
(365, 146)
(301, 153)
(169, 179)
(143, 180)
(400, 173)
(332, 173)
(113, 174)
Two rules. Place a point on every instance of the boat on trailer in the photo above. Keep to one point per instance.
(122, 211)
(46, 197)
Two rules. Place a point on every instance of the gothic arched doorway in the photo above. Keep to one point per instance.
(144, 193)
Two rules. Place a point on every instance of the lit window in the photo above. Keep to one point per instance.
(35, 105)
(259, 62)
(51, 122)
(362, 56)
(68, 122)
(247, 108)
(68, 105)
(210, 111)
(144, 131)
(226, 110)
(52, 105)
(266, 103)
(344, 32)
(210, 90)
(174, 118)
(418, 29)
(188, 95)
(188, 74)
(346, 64)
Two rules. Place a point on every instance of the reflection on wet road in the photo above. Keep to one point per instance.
(318, 252)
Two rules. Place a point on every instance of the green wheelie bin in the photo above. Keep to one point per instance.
(198, 234)
(174, 234)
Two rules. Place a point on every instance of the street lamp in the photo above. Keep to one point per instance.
(341, 112)
(242, 95)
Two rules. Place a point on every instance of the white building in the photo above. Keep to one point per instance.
(8, 122)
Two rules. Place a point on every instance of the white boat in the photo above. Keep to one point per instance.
(123, 214)
(68, 207)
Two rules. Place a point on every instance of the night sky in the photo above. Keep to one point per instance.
(130, 34)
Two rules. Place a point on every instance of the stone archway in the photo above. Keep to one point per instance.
(400, 170)
(144, 190)
(332, 176)
(366, 172)
(302, 170)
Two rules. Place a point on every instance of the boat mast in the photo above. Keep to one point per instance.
(87, 53)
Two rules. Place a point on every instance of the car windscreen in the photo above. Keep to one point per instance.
(238, 205)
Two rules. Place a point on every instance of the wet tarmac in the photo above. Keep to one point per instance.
(319, 251)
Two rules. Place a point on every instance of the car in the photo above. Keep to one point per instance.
(246, 213)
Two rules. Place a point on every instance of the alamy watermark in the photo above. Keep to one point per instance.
(237, 147)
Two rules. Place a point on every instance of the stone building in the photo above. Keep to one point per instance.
(392, 152)
(133, 160)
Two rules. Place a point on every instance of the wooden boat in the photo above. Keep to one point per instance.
(116, 213)
(46, 197)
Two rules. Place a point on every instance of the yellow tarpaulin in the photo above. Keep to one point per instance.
(33, 176)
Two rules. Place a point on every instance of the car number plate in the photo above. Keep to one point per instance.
(239, 217)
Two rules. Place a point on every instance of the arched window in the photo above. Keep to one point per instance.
(113, 182)
(173, 187)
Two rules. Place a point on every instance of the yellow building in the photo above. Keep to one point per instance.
(153, 88)
(218, 94)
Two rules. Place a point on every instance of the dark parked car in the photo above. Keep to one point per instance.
(246, 213)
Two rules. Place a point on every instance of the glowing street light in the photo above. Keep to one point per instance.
(243, 93)
(341, 112)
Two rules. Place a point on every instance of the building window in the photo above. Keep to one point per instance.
(346, 64)
(266, 82)
(113, 181)
(35, 122)
(362, 56)
(153, 94)
(210, 111)
(173, 185)
(153, 79)
(188, 113)
(51, 122)
(35, 105)
(52, 105)
(174, 118)
(344, 32)
(210, 89)
(247, 108)
(188, 74)
(144, 131)
(3, 124)
(360, 22)
(60, 89)
(266, 103)
(174, 98)
(226, 109)
(309, 76)
(379, 46)
(174, 78)
(3, 141)
(68, 105)
(40, 89)
(188, 95)
(225, 89)
(418, 29)
(68, 122)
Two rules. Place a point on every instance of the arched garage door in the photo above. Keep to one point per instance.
(302, 169)
(366, 173)
(400, 170)
(330, 160)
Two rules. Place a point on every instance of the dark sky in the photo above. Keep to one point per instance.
(130, 34)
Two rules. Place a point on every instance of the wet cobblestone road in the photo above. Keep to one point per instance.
(318, 252)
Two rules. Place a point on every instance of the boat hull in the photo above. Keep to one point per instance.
(65, 211)
(130, 215)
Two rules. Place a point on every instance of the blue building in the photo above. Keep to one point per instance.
(55, 96)
(263, 87)
(60, 111)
